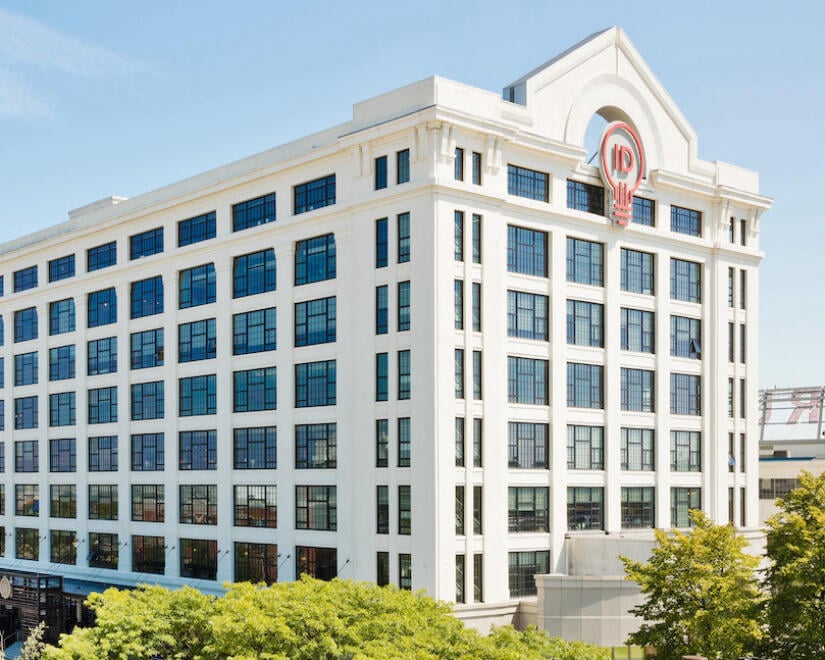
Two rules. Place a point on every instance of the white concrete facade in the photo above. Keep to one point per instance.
(544, 130)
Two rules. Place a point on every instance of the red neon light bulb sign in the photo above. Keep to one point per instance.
(623, 167)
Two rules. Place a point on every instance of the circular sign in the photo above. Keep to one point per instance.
(623, 168)
(5, 588)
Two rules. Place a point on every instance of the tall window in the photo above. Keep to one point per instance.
(146, 349)
(528, 445)
(147, 297)
(314, 194)
(63, 501)
(585, 447)
(523, 182)
(101, 256)
(644, 211)
(316, 508)
(61, 316)
(585, 197)
(523, 567)
(476, 306)
(585, 262)
(61, 268)
(25, 324)
(402, 166)
(148, 503)
(103, 453)
(25, 413)
(255, 389)
(476, 168)
(102, 308)
(526, 251)
(585, 508)
(637, 449)
(198, 559)
(404, 442)
(195, 230)
(380, 172)
(638, 330)
(197, 285)
(315, 321)
(25, 279)
(253, 212)
(743, 336)
(102, 405)
(458, 304)
(198, 450)
(316, 446)
(62, 409)
(147, 452)
(585, 385)
(61, 363)
(585, 323)
(315, 384)
(637, 274)
(256, 506)
(103, 550)
(685, 337)
(743, 288)
(254, 332)
(685, 221)
(403, 222)
(731, 287)
(25, 369)
(315, 259)
(256, 448)
(103, 502)
(102, 355)
(459, 441)
(527, 315)
(637, 390)
(458, 233)
(638, 507)
(682, 500)
(27, 500)
(527, 380)
(403, 306)
(27, 543)
(404, 377)
(460, 579)
(147, 400)
(685, 394)
(685, 281)
(382, 377)
(149, 554)
(197, 341)
(528, 509)
(458, 164)
(382, 442)
(256, 562)
(146, 243)
(253, 273)
(685, 451)
(382, 509)
(477, 375)
(382, 324)
(197, 396)
(62, 455)
(26, 456)
(476, 238)
(381, 243)
(459, 373)
(404, 510)
(199, 504)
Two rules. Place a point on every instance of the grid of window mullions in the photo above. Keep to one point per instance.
(102, 307)
(585, 447)
(101, 256)
(149, 554)
(638, 507)
(63, 501)
(26, 456)
(25, 279)
(585, 385)
(61, 268)
(314, 194)
(528, 445)
(25, 369)
(198, 395)
(315, 321)
(27, 499)
(254, 332)
(103, 550)
(197, 229)
(102, 356)
(685, 451)
(199, 504)
(523, 566)
(103, 453)
(62, 455)
(102, 405)
(585, 197)
(63, 546)
(253, 212)
(25, 413)
(638, 330)
(526, 251)
(315, 384)
(147, 452)
(685, 281)
(682, 500)
(637, 389)
(404, 306)
(61, 316)
(146, 349)
(685, 221)
(585, 262)
(62, 409)
(685, 337)
(103, 502)
(585, 508)
(524, 182)
(25, 324)
(197, 340)
(61, 363)
(147, 297)
(315, 446)
(199, 558)
(256, 562)
(637, 274)
(685, 394)
(527, 380)
(528, 509)
(147, 400)
(256, 506)
(644, 211)
(637, 449)
(254, 273)
(255, 389)
(197, 285)
(585, 323)
(198, 450)
(146, 243)
(148, 502)
(256, 448)
(316, 508)
(315, 259)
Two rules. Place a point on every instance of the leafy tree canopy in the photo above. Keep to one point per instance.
(701, 594)
(307, 619)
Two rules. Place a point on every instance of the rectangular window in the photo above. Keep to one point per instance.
(459, 442)
(685, 281)
(477, 509)
(254, 332)
(103, 453)
(147, 401)
(585, 385)
(25, 369)
(380, 172)
(638, 390)
(320, 563)
(731, 279)
(146, 349)
(585, 447)
(102, 308)
(404, 377)
(197, 396)
(403, 306)
(526, 251)
(743, 288)
(147, 297)
(685, 451)
(101, 256)
(523, 182)
(743, 397)
(381, 243)
(638, 330)
(103, 550)
(585, 262)
(730, 397)
(382, 442)
(27, 500)
(315, 259)
(527, 315)
(585, 508)
(198, 559)
(585, 323)
(683, 500)
(405, 571)
(61, 268)
(62, 455)
(315, 321)
(103, 502)
(743, 240)
(61, 317)
(637, 272)
(476, 168)
(382, 324)
(27, 543)
(196, 286)
(686, 337)
(199, 504)
(476, 306)
(195, 230)
(256, 506)
(458, 304)
(732, 230)
(460, 579)
(315, 384)
(25, 413)
(316, 508)
(61, 363)
(382, 509)
(528, 445)
(26, 456)
(25, 279)
(256, 562)
(149, 554)
(644, 211)
(743, 454)
(102, 355)
(146, 243)
(197, 341)
(585, 197)
(402, 166)
(527, 381)
(637, 450)
(253, 273)
(148, 452)
(148, 503)
(523, 568)
(63, 501)
(459, 373)
(477, 375)
(62, 409)
(476, 238)
(685, 221)
(255, 389)
(253, 212)
(638, 507)
(25, 324)
(478, 578)
(685, 394)
(458, 233)
(404, 510)
(382, 377)
(742, 343)
(198, 450)
(404, 442)
(316, 446)
(314, 194)
(403, 222)
(256, 448)
(458, 164)
(528, 509)
(102, 405)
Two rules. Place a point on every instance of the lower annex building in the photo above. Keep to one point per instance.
(428, 347)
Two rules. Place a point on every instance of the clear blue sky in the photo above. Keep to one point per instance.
(103, 98)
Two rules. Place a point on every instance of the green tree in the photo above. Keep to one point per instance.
(701, 593)
(307, 619)
(796, 573)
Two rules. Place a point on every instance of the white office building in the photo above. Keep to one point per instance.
(434, 346)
